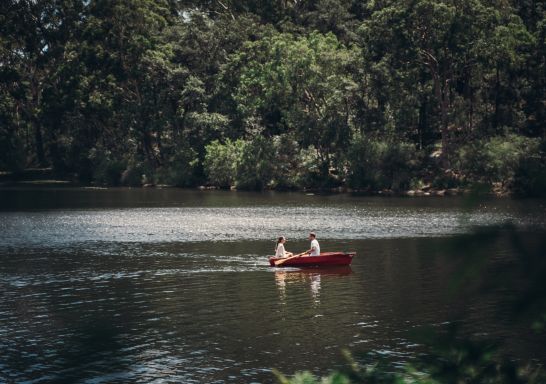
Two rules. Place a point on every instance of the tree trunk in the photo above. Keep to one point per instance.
(497, 100)
(422, 122)
(441, 91)
(39, 142)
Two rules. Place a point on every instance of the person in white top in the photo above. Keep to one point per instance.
(315, 247)
(279, 248)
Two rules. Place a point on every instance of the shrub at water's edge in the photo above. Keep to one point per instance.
(499, 161)
(503, 163)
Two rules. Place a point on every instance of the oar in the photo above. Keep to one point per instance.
(282, 261)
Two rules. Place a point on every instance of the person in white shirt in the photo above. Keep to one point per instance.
(279, 248)
(315, 247)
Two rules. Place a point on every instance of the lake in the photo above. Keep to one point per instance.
(153, 285)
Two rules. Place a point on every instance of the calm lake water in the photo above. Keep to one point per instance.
(168, 285)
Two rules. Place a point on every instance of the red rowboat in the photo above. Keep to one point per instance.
(325, 259)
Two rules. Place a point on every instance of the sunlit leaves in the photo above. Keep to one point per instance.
(304, 84)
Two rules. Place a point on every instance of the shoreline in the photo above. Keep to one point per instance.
(35, 178)
(426, 192)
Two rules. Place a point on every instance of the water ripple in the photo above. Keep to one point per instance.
(59, 228)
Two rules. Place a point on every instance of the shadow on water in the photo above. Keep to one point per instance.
(456, 351)
(89, 350)
(519, 275)
(95, 352)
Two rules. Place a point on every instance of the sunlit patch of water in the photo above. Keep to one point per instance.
(60, 228)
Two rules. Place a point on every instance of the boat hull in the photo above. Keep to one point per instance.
(325, 259)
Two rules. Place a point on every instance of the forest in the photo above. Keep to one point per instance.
(376, 95)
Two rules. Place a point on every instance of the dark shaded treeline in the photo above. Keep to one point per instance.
(281, 94)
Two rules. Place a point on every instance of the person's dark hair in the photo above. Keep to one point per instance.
(278, 242)
(312, 234)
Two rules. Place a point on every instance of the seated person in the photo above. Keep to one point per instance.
(279, 248)
(315, 247)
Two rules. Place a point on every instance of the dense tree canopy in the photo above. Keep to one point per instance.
(281, 94)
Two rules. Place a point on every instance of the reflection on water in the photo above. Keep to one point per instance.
(232, 217)
(177, 286)
(64, 228)
(310, 277)
(315, 287)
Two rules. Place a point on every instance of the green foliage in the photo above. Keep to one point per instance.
(530, 177)
(379, 164)
(454, 359)
(296, 84)
(107, 170)
(179, 169)
(315, 172)
(222, 161)
(289, 164)
(13, 154)
(497, 159)
(255, 169)
(355, 374)
(133, 175)
(257, 164)
(138, 78)
(447, 180)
